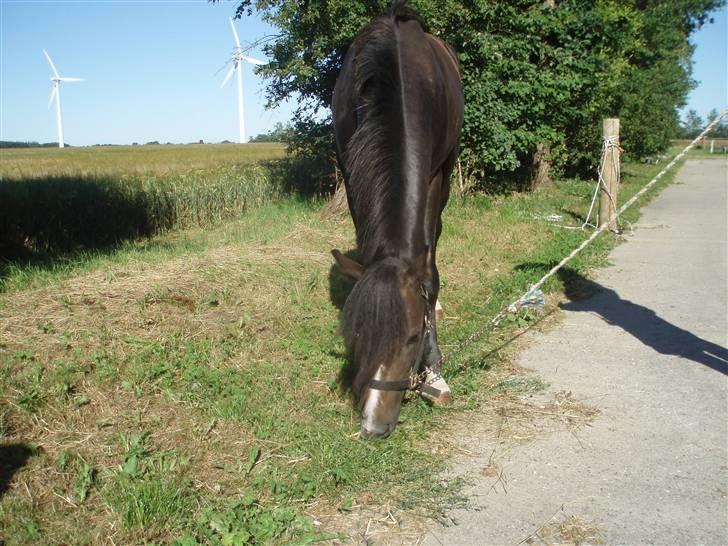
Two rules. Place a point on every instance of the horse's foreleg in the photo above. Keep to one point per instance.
(435, 388)
(439, 313)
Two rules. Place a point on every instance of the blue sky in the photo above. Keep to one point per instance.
(710, 67)
(153, 70)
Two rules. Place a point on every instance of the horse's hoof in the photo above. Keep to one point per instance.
(436, 390)
(444, 399)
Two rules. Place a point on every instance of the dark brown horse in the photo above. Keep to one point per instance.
(398, 111)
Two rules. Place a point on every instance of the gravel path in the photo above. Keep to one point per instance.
(648, 350)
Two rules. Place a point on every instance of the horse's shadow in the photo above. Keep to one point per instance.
(13, 457)
(639, 321)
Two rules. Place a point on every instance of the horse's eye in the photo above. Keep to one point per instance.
(412, 339)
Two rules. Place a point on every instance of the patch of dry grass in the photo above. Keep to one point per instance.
(244, 291)
(565, 530)
(201, 295)
(217, 352)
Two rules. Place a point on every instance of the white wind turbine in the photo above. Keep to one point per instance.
(237, 59)
(56, 93)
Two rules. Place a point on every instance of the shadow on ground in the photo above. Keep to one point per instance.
(639, 321)
(54, 216)
(13, 457)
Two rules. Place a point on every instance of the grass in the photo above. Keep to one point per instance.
(130, 161)
(57, 205)
(186, 388)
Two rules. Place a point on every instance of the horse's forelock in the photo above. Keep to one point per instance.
(374, 321)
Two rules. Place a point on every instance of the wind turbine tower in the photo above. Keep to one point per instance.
(56, 94)
(237, 60)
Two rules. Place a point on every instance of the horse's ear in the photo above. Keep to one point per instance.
(348, 267)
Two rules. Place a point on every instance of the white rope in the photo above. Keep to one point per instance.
(533, 292)
(609, 144)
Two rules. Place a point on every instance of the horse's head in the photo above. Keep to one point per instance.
(385, 321)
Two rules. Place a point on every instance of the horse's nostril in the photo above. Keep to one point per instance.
(364, 433)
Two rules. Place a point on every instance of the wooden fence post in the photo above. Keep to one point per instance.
(609, 175)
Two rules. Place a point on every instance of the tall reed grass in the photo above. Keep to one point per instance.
(46, 215)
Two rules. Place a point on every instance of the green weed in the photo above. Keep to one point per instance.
(155, 501)
(150, 488)
(85, 480)
(247, 521)
(18, 523)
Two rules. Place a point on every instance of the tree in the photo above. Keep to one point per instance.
(279, 133)
(660, 72)
(693, 124)
(720, 130)
(534, 74)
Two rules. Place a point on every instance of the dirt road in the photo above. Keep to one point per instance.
(648, 351)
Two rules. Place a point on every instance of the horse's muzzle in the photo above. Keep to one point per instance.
(377, 433)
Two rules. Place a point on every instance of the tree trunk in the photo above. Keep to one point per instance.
(541, 177)
(542, 157)
(338, 204)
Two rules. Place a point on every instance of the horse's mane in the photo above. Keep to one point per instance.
(374, 150)
(374, 320)
(401, 11)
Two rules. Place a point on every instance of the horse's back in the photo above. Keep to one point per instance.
(397, 109)
(427, 73)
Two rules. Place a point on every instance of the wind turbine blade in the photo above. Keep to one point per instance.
(229, 75)
(235, 32)
(53, 67)
(71, 79)
(54, 91)
(251, 60)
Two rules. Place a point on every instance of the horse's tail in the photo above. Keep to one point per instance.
(379, 162)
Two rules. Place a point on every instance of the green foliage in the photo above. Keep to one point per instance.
(692, 125)
(84, 482)
(247, 521)
(721, 130)
(531, 73)
(280, 133)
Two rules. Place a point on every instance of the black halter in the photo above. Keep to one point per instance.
(415, 381)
